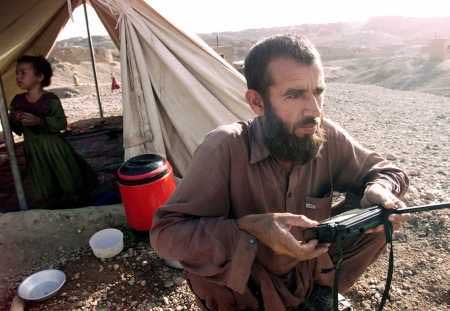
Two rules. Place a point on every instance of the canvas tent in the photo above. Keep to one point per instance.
(175, 87)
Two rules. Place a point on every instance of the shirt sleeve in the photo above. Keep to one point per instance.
(56, 120)
(16, 126)
(194, 226)
(354, 166)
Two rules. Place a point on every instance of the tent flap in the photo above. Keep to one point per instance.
(175, 87)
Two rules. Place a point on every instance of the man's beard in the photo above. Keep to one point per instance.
(286, 146)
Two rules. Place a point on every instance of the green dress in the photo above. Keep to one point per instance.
(60, 177)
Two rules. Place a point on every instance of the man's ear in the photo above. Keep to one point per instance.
(255, 101)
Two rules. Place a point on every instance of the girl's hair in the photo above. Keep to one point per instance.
(40, 65)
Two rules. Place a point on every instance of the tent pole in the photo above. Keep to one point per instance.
(92, 60)
(11, 153)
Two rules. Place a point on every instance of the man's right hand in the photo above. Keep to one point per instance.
(273, 229)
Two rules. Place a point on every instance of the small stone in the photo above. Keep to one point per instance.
(179, 308)
(178, 280)
(132, 281)
(414, 173)
(144, 263)
(166, 300)
(168, 284)
(391, 157)
(143, 283)
(428, 196)
(100, 268)
(116, 267)
(76, 276)
(399, 236)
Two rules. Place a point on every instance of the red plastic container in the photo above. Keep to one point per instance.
(145, 182)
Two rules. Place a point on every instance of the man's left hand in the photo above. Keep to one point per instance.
(376, 194)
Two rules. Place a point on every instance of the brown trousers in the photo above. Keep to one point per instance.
(357, 256)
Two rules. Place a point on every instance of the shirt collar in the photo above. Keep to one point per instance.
(258, 149)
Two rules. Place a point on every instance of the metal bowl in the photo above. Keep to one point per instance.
(41, 285)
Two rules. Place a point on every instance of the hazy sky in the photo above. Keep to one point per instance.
(213, 15)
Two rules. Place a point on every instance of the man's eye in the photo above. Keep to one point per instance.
(295, 95)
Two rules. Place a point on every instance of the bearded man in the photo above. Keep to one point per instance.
(236, 220)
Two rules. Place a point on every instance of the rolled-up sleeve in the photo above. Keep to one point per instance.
(194, 227)
(355, 167)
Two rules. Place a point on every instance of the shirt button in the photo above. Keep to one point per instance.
(252, 241)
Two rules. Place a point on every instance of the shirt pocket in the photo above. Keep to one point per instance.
(318, 208)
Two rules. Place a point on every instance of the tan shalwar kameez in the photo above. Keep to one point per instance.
(232, 174)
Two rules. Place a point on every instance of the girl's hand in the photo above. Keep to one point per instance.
(17, 116)
(29, 119)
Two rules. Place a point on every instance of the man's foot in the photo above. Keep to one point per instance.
(321, 299)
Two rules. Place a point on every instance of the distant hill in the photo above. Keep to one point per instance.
(337, 40)
(387, 51)
(97, 41)
(410, 28)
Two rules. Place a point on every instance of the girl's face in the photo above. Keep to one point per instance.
(26, 77)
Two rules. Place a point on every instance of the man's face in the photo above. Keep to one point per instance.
(293, 110)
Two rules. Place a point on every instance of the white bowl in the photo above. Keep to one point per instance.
(41, 285)
(106, 243)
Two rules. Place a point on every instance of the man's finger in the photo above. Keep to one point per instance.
(399, 218)
(377, 229)
(289, 245)
(312, 250)
(300, 221)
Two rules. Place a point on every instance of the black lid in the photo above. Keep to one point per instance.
(142, 165)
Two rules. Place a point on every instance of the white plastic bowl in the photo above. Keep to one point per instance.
(41, 285)
(106, 243)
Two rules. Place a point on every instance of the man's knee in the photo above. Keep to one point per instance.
(213, 296)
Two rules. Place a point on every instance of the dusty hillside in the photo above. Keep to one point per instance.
(402, 72)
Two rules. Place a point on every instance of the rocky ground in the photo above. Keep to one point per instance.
(411, 129)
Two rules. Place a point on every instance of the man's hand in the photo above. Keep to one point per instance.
(375, 194)
(29, 119)
(273, 229)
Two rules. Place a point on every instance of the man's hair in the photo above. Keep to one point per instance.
(41, 67)
(263, 52)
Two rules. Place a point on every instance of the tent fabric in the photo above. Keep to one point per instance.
(28, 27)
(175, 87)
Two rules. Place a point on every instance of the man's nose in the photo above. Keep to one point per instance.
(313, 106)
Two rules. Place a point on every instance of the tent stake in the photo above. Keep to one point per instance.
(92, 60)
(11, 153)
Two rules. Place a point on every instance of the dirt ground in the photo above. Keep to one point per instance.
(135, 280)
(411, 129)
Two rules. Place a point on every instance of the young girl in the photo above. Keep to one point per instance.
(60, 177)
